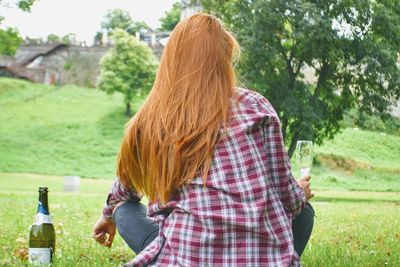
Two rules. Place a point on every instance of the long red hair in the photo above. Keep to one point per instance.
(174, 133)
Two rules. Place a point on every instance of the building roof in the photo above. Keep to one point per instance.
(27, 53)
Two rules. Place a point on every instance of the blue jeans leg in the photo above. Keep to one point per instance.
(133, 225)
(302, 227)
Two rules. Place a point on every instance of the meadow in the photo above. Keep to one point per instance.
(47, 132)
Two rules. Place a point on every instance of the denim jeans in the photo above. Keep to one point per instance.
(138, 231)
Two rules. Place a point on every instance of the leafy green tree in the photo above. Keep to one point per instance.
(117, 19)
(351, 46)
(9, 41)
(171, 18)
(69, 38)
(10, 38)
(120, 19)
(129, 68)
(26, 5)
(139, 26)
(53, 38)
(98, 38)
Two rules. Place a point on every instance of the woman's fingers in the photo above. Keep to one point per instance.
(109, 240)
(100, 237)
(104, 239)
(104, 232)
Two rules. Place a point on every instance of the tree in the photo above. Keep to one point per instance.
(117, 19)
(9, 41)
(98, 38)
(24, 5)
(139, 26)
(53, 38)
(352, 46)
(120, 19)
(69, 38)
(129, 68)
(10, 38)
(171, 18)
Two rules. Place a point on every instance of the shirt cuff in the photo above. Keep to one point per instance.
(108, 211)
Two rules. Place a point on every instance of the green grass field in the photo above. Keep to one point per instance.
(361, 229)
(47, 132)
(51, 130)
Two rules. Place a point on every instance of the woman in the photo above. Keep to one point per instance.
(211, 159)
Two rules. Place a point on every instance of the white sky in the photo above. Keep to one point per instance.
(82, 17)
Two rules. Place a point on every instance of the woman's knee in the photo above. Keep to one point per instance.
(128, 209)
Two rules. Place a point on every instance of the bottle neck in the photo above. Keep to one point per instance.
(43, 205)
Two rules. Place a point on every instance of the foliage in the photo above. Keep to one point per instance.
(139, 26)
(68, 66)
(9, 41)
(129, 68)
(121, 19)
(389, 125)
(25, 5)
(98, 38)
(69, 38)
(53, 38)
(171, 18)
(351, 45)
(117, 19)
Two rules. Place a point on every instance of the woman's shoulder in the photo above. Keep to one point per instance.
(248, 97)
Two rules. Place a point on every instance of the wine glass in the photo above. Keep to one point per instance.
(304, 155)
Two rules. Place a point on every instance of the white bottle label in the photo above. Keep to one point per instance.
(39, 256)
(40, 218)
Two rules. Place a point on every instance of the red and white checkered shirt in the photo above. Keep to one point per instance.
(243, 217)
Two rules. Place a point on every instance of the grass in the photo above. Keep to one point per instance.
(357, 161)
(353, 231)
(77, 131)
(73, 217)
(369, 148)
(65, 131)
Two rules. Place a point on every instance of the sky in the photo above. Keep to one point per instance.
(82, 17)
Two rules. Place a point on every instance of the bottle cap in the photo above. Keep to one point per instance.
(43, 189)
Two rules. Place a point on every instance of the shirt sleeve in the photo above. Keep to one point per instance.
(279, 167)
(119, 193)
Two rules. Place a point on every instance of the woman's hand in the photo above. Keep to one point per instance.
(104, 231)
(304, 183)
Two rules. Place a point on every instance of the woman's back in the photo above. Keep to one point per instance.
(243, 214)
(210, 158)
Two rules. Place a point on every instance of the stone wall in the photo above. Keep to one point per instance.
(82, 65)
(73, 65)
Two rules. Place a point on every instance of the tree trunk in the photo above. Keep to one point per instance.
(285, 121)
(128, 111)
(292, 146)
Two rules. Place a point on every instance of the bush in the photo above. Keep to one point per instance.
(355, 118)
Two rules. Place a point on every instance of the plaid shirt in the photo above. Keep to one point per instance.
(243, 217)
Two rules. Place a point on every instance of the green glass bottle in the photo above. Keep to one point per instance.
(42, 237)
